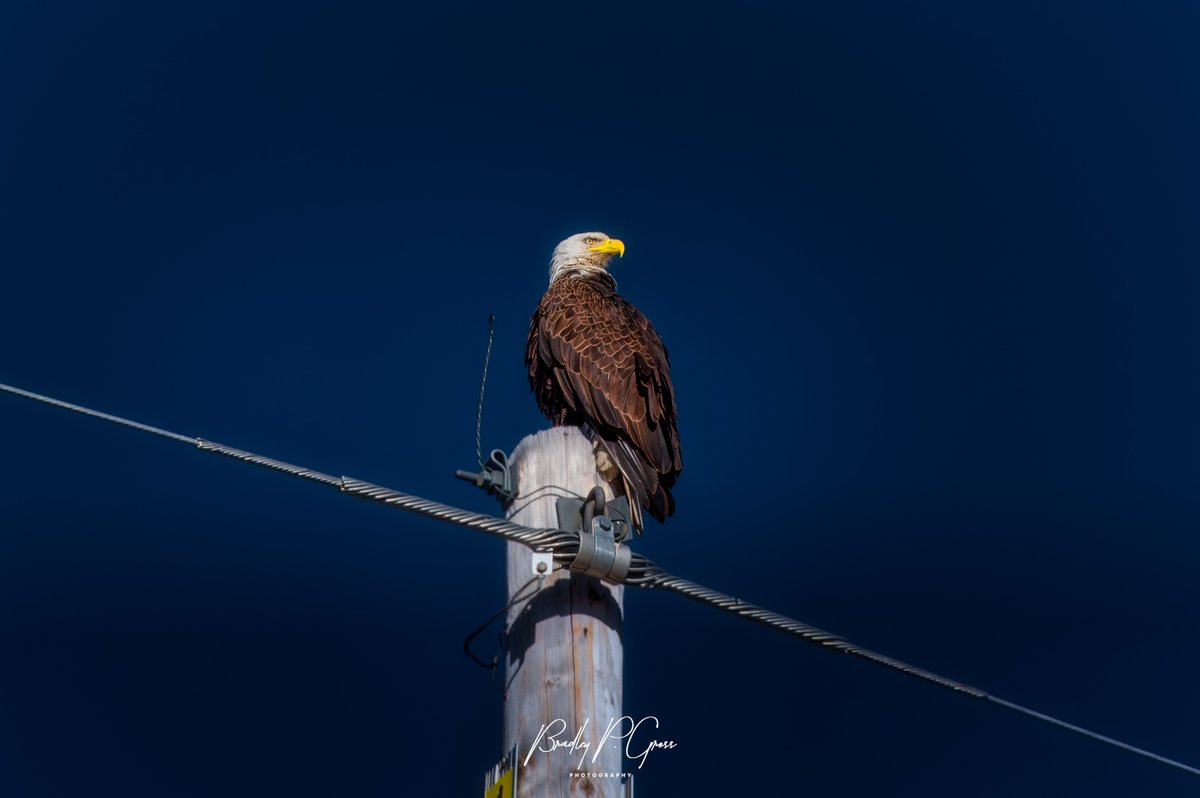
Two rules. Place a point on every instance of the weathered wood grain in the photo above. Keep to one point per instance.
(564, 653)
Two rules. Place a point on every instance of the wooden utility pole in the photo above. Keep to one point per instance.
(564, 646)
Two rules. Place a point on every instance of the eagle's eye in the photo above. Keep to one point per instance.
(591, 240)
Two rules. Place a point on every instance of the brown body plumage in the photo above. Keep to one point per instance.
(596, 362)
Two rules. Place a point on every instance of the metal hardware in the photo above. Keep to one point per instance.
(599, 553)
(495, 478)
(543, 563)
(570, 515)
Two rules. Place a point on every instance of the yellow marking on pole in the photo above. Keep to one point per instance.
(503, 788)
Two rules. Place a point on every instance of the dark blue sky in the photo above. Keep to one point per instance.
(928, 275)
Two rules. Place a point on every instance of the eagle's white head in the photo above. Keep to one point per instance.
(584, 252)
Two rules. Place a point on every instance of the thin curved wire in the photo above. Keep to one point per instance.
(533, 496)
(518, 597)
(487, 358)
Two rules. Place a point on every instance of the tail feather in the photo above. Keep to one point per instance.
(642, 483)
(635, 506)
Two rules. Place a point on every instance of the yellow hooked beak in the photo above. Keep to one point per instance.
(613, 246)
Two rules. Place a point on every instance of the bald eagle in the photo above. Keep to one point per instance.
(596, 362)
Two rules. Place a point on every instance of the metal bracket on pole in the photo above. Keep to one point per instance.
(543, 563)
(495, 478)
(571, 515)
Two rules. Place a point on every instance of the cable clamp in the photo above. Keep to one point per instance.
(495, 478)
(599, 552)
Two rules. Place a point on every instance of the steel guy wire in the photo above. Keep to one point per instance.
(563, 546)
(97, 414)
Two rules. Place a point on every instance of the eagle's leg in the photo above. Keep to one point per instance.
(605, 464)
(608, 469)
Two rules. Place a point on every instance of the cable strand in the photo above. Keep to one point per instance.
(87, 411)
(1093, 735)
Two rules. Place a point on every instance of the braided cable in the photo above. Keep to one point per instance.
(564, 545)
(267, 462)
